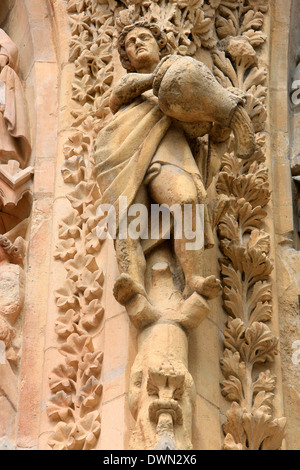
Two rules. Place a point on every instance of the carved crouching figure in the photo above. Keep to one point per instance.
(143, 154)
(12, 292)
(144, 150)
(162, 391)
(11, 279)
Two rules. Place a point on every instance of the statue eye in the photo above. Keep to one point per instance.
(145, 37)
(130, 42)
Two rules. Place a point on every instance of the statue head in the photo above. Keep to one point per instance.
(9, 253)
(141, 46)
(8, 51)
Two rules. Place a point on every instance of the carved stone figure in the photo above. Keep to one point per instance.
(144, 151)
(14, 129)
(12, 293)
(144, 154)
(11, 278)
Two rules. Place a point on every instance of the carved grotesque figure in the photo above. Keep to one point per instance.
(145, 155)
(12, 294)
(14, 129)
(12, 279)
(144, 152)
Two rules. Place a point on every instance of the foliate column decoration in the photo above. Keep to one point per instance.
(246, 267)
(75, 383)
(15, 208)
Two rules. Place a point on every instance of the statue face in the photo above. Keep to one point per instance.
(3, 256)
(142, 50)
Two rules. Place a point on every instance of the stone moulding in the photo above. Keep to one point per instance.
(232, 32)
(14, 183)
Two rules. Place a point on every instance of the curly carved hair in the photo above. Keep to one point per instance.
(12, 252)
(159, 35)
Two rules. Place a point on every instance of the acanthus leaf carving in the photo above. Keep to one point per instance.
(253, 431)
(247, 267)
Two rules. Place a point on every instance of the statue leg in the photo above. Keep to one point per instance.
(131, 263)
(175, 186)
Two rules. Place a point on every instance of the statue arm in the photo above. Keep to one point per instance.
(2, 96)
(128, 88)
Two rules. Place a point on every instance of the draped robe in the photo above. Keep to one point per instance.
(138, 137)
(14, 128)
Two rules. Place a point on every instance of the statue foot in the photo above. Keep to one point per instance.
(125, 288)
(209, 287)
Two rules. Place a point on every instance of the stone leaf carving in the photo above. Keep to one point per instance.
(75, 382)
(246, 267)
(76, 395)
(79, 299)
(253, 431)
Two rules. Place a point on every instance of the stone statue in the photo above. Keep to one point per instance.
(14, 129)
(144, 151)
(144, 154)
(11, 277)
(12, 295)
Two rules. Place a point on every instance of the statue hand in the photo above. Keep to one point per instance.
(130, 87)
(161, 70)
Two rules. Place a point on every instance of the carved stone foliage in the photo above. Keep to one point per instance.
(231, 32)
(246, 266)
(76, 394)
(75, 383)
